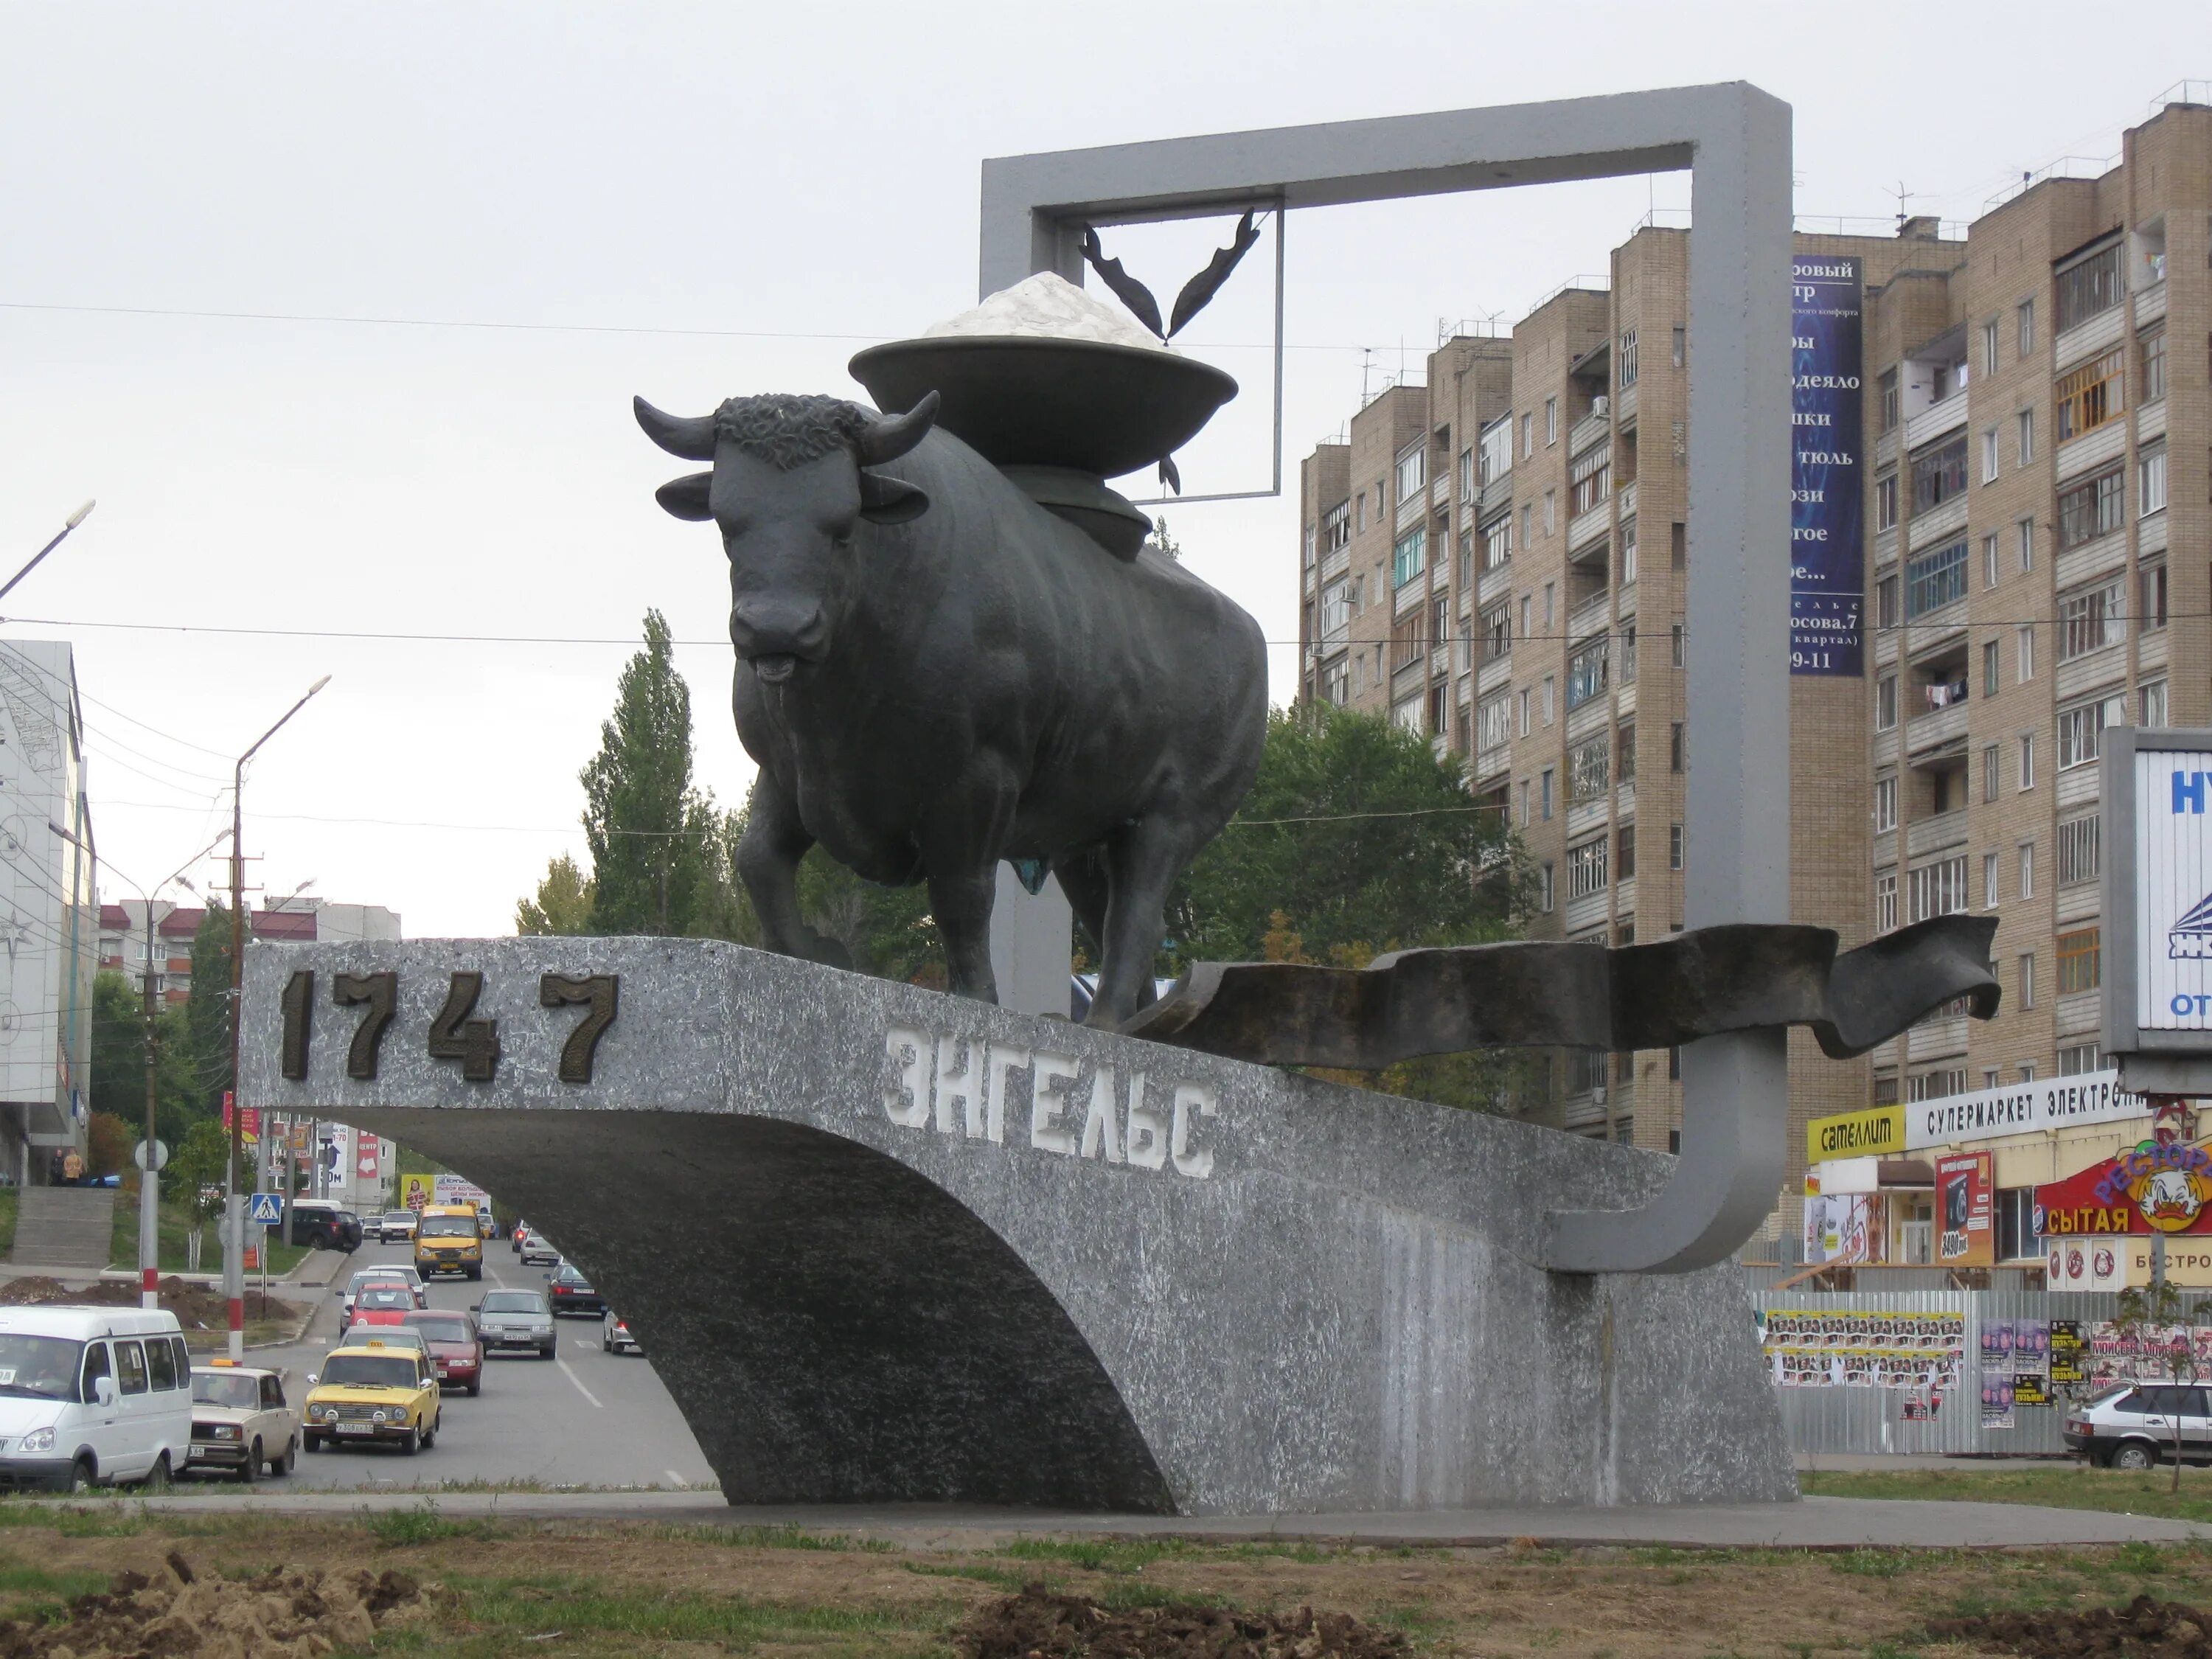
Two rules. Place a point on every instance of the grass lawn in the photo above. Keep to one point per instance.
(646, 1590)
(2064, 1486)
(176, 1224)
(7, 1223)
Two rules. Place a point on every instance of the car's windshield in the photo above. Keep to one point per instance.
(514, 1302)
(568, 1275)
(368, 1370)
(373, 1275)
(444, 1330)
(387, 1295)
(226, 1389)
(43, 1366)
(447, 1226)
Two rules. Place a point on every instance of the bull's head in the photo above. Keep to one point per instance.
(789, 484)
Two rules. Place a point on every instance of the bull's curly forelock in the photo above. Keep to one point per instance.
(787, 430)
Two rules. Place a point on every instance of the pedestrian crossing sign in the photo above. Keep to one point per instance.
(265, 1209)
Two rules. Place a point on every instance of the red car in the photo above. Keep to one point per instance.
(456, 1351)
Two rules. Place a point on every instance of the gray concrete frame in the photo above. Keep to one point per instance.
(1735, 141)
(2151, 1061)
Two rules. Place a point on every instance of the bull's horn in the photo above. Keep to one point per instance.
(693, 439)
(889, 436)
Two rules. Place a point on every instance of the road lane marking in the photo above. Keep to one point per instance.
(579, 1382)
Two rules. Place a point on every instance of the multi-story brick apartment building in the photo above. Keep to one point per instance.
(1496, 557)
(298, 919)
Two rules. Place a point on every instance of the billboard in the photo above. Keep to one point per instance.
(2162, 1185)
(415, 1191)
(1827, 575)
(2018, 1109)
(1876, 1131)
(1965, 1236)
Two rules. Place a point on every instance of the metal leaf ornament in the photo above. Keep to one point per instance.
(1126, 289)
(1204, 286)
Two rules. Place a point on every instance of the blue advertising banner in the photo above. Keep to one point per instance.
(1827, 561)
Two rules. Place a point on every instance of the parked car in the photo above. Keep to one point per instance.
(242, 1424)
(396, 1227)
(373, 1390)
(516, 1319)
(456, 1353)
(538, 1248)
(615, 1337)
(2132, 1426)
(95, 1396)
(572, 1293)
(320, 1225)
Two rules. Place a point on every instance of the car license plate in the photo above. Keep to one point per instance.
(195, 1452)
(356, 1428)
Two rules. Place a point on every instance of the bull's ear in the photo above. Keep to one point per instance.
(687, 497)
(888, 500)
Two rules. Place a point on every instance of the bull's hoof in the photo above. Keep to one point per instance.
(829, 952)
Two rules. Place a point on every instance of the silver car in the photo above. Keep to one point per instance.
(2134, 1425)
(508, 1320)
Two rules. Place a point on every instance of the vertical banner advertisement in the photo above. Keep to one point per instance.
(1963, 1196)
(1827, 580)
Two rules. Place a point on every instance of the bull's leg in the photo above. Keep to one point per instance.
(1142, 863)
(961, 902)
(767, 863)
(1082, 877)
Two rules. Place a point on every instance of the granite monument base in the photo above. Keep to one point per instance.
(884, 1244)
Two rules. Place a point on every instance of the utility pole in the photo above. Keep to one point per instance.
(234, 1247)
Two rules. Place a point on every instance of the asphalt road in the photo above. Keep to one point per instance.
(587, 1418)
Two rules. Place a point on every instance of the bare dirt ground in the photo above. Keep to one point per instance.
(496, 1588)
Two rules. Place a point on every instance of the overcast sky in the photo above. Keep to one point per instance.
(563, 204)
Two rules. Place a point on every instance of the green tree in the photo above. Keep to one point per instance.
(563, 903)
(200, 1160)
(118, 1061)
(647, 827)
(207, 1018)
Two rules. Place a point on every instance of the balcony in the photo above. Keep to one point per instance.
(1497, 672)
(1925, 733)
(1592, 427)
(1495, 494)
(1623, 406)
(1335, 562)
(1936, 421)
(1412, 510)
(2088, 338)
(1625, 498)
(1492, 761)
(1589, 526)
(1591, 910)
(1582, 817)
(1932, 834)
(2092, 449)
(1440, 492)
(1590, 614)
(1495, 583)
(1931, 528)
(2150, 304)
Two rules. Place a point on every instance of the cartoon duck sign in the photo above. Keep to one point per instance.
(2161, 1185)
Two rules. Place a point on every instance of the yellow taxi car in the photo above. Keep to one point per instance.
(372, 1391)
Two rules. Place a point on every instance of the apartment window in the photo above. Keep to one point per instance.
(1528, 436)
(1337, 527)
(1676, 641)
(1885, 902)
(1939, 888)
(2089, 619)
(1681, 343)
(2024, 313)
(1624, 769)
(1550, 684)
(1935, 579)
(2078, 961)
(1674, 846)
(1586, 869)
(2026, 545)
(1544, 793)
(1524, 804)
(1590, 770)
(1988, 561)
(1989, 455)
(1989, 881)
(2026, 997)
(1628, 553)
(1528, 523)
(1590, 478)
(1466, 558)
(2080, 726)
(1548, 588)
(1526, 629)
(1498, 542)
(1884, 603)
(2150, 598)
(1493, 722)
(1498, 632)
(1989, 772)
(1410, 713)
(2023, 651)
(1939, 474)
(1587, 671)
(1408, 641)
(1890, 408)
(1524, 729)
(1336, 682)
(1936, 1085)
(2027, 761)
(2093, 394)
(1335, 606)
(2154, 703)
(2027, 869)
(1990, 669)
(1545, 889)
(2153, 365)
(1885, 501)
(1885, 702)
(2024, 437)
(2077, 850)
(1410, 557)
(1360, 512)
(1494, 450)
(2092, 508)
(1884, 804)
(1677, 749)
(2075, 1058)
(1413, 471)
(1624, 374)
(1551, 420)
(1990, 347)
(1465, 476)
(2089, 286)
(2150, 481)
(1551, 511)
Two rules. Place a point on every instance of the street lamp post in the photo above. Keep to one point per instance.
(233, 1209)
(68, 524)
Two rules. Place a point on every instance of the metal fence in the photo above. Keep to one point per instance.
(1872, 1419)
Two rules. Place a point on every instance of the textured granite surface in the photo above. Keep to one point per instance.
(886, 1245)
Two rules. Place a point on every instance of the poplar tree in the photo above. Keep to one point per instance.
(648, 829)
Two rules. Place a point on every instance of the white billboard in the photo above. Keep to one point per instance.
(2173, 909)
(2018, 1109)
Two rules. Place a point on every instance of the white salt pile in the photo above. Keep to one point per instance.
(1049, 307)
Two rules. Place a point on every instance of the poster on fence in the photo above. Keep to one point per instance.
(2069, 1362)
(2147, 1354)
(1997, 1401)
(1866, 1348)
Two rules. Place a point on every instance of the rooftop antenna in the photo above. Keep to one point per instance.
(1903, 196)
(1366, 363)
